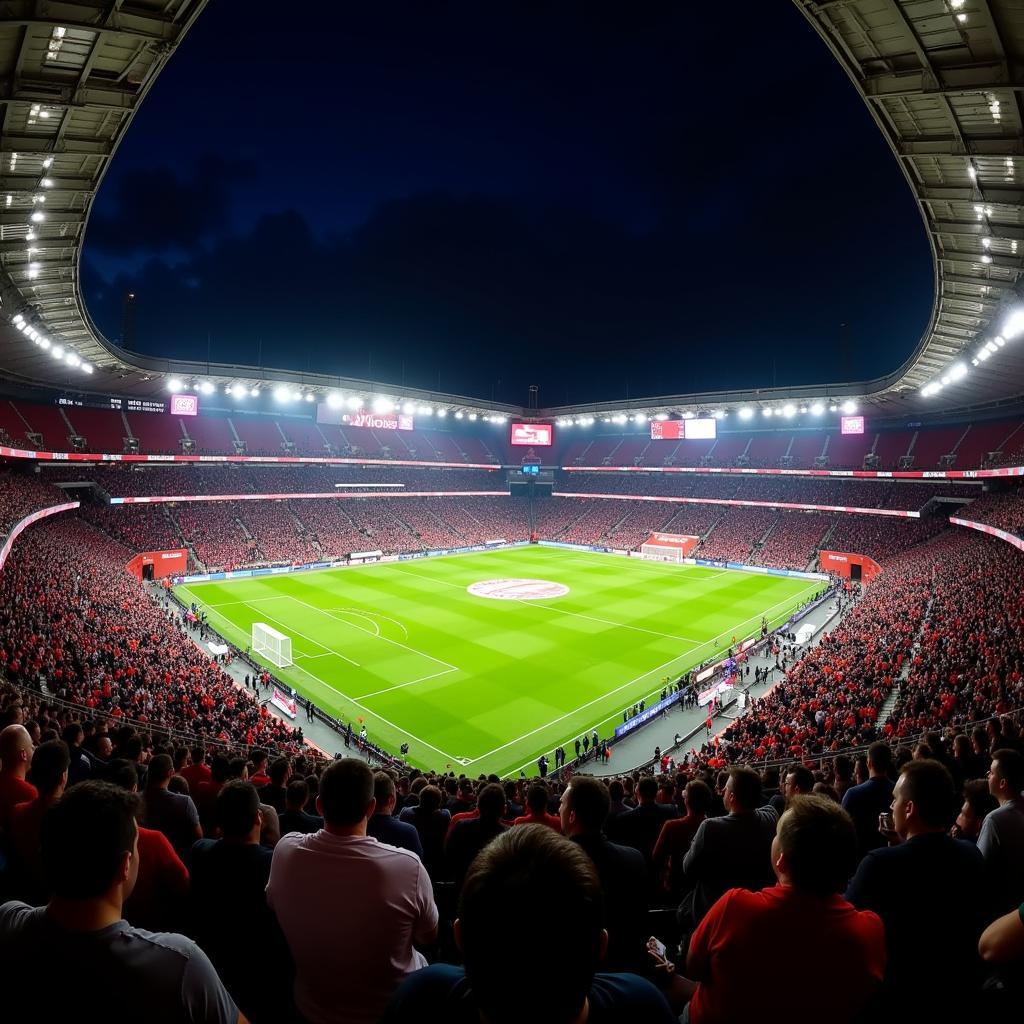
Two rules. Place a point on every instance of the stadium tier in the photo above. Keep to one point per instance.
(968, 445)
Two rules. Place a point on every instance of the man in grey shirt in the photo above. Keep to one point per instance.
(80, 943)
(730, 852)
(1001, 840)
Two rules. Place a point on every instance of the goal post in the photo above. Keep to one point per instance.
(271, 644)
(668, 547)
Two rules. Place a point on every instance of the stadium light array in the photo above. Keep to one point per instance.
(334, 400)
(849, 408)
(354, 402)
(206, 388)
(254, 392)
(458, 414)
(442, 413)
(769, 412)
(382, 404)
(746, 413)
(310, 397)
(174, 385)
(238, 391)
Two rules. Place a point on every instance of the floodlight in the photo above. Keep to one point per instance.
(334, 400)
(472, 415)
(849, 407)
(458, 415)
(408, 408)
(38, 217)
(206, 388)
(71, 359)
(382, 404)
(310, 397)
(254, 393)
(354, 402)
(441, 413)
(57, 352)
(174, 386)
(661, 417)
(282, 394)
(425, 410)
(817, 409)
(958, 371)
(86, 367)
(238, 390)
(719, 414)
(768, 412)
(43, 343)
(788, 411)
(746, 412)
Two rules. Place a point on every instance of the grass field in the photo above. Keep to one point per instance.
(492, 684)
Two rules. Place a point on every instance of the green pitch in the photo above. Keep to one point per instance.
(490, 684)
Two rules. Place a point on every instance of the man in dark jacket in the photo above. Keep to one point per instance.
(468, 837)
(732, 851)
(641, 826)
(386, 828)
(623, 873)
(931, 894)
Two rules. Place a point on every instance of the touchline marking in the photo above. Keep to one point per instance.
(373, 714)
(387, 640)
(583, 707)
(352, 700)
(401, 686)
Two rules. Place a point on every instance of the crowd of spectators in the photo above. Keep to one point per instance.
(21, 494)
(405, 895)
(793, 540)
(139, 527)
(1005, 511)
(736, 533)
(75, 624)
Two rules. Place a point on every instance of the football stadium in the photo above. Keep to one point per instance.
(414, 472)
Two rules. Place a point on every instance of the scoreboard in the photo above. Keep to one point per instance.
(703, 429)
(112, 403)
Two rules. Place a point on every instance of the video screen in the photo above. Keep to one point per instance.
(704, 429)
(851, 424)
(535, 435)
(184, 405)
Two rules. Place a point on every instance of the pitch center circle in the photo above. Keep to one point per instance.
(517, 589)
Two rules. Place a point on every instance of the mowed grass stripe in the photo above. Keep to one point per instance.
(524, 669)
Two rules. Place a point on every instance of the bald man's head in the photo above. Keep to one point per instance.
(15, 750)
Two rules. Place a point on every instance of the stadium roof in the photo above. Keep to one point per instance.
(941, 78)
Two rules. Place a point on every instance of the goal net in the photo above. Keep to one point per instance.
(271, 644)
(668, 547)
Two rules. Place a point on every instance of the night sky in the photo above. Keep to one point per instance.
(605, 200)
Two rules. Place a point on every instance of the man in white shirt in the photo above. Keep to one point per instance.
(350, 907)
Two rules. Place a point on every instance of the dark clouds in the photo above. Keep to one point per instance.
(600, 199)
(156, 209)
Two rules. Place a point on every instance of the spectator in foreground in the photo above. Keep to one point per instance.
(930, 893)
(865, 802)
(295, 817)
(677, 835)
(641, 826)
(385, 828)
(729, 852)
(467, 838)
(621, 869)
(350, 907)
(842, 950)
(171, 813)
(555, 891)
(431, 822)
(15, 758)
(1001, 840)
(157, 899)
(978, 803)
(537, 797)
(228, 905)
(90, 855)
(49, 774)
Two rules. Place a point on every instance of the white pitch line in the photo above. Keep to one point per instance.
(349, 611)
(401, 686)
(387, 640)
(323, 647)
(380, 718)
(566, 611)
(644, 675)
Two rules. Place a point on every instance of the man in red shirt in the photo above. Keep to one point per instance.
(842, 950)
(16, 756)
(197, 772)
(537, 809)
